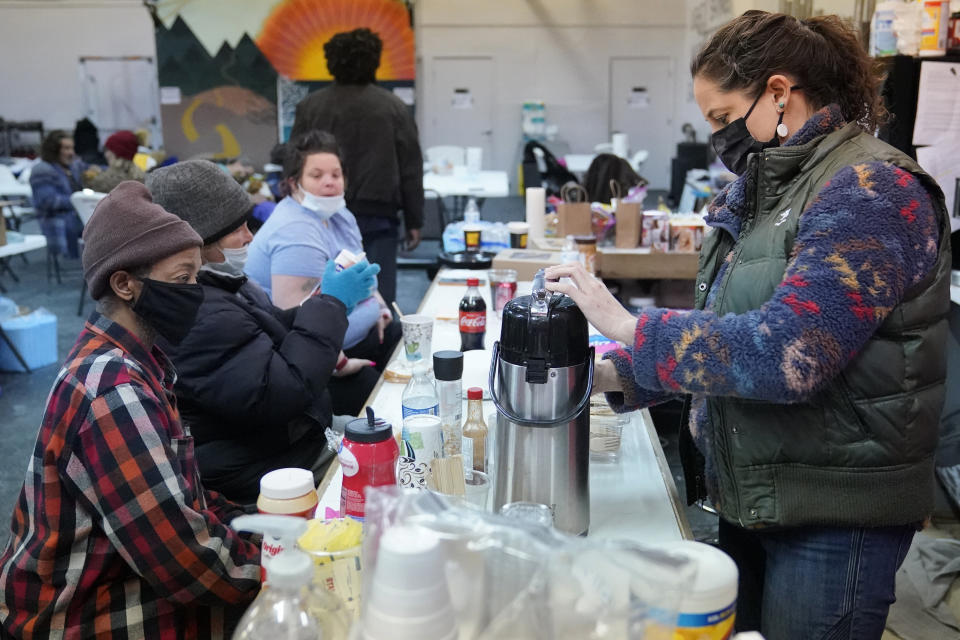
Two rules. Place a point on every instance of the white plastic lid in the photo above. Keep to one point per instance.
(284, 484)
(292, 568)
(407, 540)
(715, 586)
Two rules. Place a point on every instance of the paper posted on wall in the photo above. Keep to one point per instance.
(938, 103)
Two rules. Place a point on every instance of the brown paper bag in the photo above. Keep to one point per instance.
(629, 225)
(573, 215)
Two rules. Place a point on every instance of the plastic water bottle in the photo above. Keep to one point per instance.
(420, 396)
(471, 215)
(289, 607)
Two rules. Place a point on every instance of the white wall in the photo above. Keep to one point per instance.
(41, 42)
(557, 51)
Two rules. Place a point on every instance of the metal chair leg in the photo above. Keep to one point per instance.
(13, 348)
(83, 298)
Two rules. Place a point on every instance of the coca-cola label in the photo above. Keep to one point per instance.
(473, 321)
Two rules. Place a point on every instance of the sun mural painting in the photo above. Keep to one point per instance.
(293, 35)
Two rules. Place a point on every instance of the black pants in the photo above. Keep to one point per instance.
(348, 395)
(370, 348)
(234, 467)
(380, 239)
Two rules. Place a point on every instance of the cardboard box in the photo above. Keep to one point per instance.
(526, 262)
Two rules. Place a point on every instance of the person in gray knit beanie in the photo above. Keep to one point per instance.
(199, 192)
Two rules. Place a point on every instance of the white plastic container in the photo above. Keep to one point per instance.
(709, 605)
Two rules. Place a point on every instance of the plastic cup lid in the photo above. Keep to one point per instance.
(448, 365)
(284, 484)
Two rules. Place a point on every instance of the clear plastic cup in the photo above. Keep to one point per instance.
(477, 489)
(606, 435)
(531, 512)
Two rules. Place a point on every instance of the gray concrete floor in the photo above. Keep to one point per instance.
(24, 395)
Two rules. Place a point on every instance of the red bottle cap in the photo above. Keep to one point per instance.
(474, 393)
(473, 282)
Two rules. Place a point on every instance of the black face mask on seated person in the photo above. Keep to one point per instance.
(169, 308)
(734, 144)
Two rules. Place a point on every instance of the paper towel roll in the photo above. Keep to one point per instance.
(536, 211)
(474, 159)
(621, 144)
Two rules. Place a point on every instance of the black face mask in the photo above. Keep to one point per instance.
(734, 144)
(169, 308)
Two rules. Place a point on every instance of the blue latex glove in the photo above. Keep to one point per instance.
(351, 285)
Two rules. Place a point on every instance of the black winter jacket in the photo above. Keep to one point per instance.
(250, 371)
(383, 165)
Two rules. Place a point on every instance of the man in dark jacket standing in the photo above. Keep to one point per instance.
(253, 378)
(383, 165)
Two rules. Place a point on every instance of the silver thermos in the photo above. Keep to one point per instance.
(541, 374)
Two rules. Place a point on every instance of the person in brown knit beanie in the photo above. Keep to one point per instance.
(141, 262)
(113, 479)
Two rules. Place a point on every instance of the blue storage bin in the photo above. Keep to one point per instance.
(35, 336)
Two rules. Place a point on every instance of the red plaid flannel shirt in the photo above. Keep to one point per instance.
(113, 534)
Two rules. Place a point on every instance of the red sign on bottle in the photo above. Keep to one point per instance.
(473, 321)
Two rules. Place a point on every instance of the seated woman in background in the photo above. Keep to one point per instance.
(605, 168)
(257, 385)
(53, 180)
(310, 227)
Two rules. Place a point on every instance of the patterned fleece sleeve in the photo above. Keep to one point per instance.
(869, 235)
(633, 396)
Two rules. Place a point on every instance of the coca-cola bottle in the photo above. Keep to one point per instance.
(473, 317)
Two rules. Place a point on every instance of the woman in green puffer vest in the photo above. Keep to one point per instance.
(814, 357)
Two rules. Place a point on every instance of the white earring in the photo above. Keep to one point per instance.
(782, 130)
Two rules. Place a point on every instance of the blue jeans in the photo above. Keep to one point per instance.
(816, 583)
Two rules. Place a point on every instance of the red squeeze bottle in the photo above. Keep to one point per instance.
(368, 456)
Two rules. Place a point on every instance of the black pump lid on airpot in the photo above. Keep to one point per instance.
(369, 429)
(557, 339)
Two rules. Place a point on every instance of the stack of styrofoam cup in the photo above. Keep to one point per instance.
(409, 598)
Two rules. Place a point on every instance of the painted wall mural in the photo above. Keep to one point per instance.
(220, 66)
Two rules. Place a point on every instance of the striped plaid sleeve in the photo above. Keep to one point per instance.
(133, 477)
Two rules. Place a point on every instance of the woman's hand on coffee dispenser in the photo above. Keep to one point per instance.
(595, 301)
(605, 377)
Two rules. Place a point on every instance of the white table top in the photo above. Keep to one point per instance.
(485, 184)
(955, 294)
(30, 242)
(634, 498)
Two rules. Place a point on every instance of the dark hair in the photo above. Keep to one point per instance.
(353, 56)
(313, 141)
(50, 147)
(604, 168)
(822, 54)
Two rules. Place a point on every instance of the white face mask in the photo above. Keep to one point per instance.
(323, 206)
(234, 260)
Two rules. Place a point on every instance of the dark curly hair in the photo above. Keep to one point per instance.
(50, 147)
(313, 141)
(353, 56)
(823, 54)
